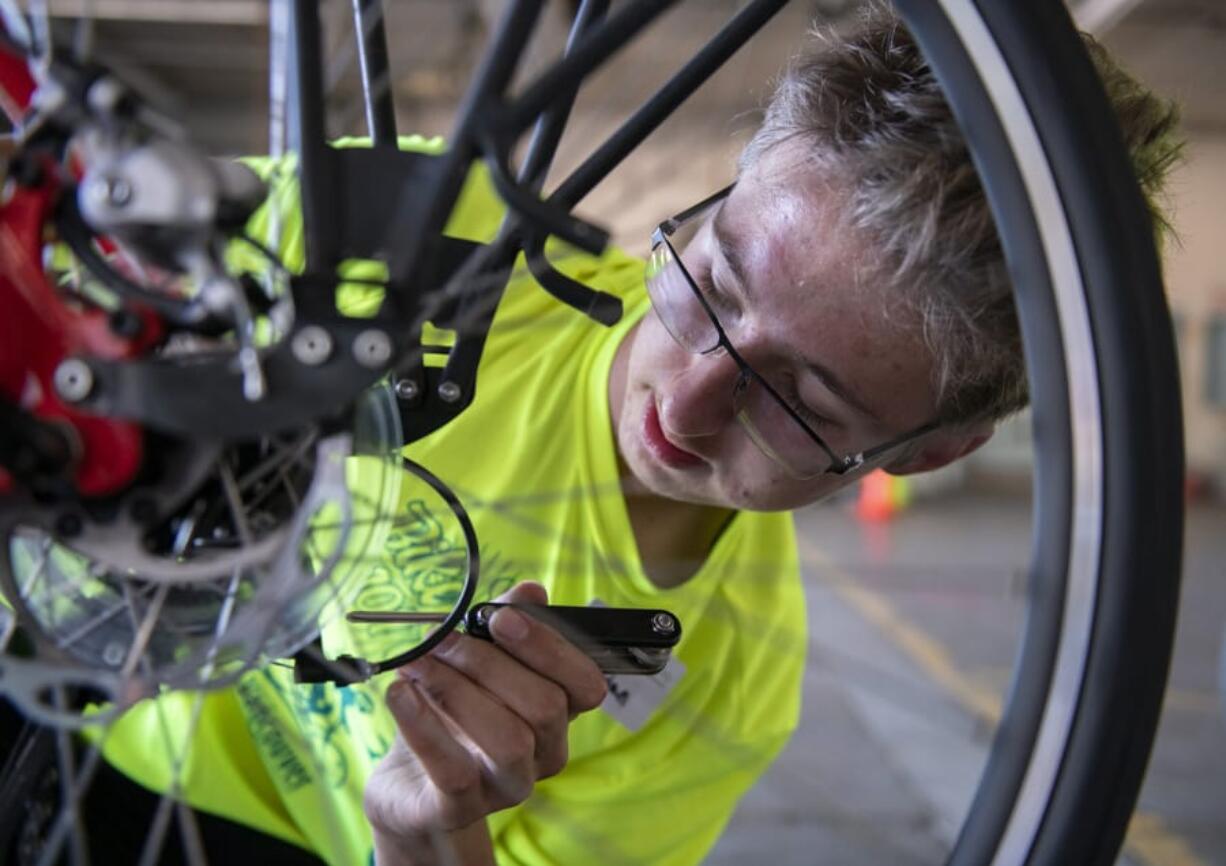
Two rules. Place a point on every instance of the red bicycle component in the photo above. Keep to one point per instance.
(41, 328)
(17, 85)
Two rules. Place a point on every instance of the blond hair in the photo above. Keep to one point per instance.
(871, 114)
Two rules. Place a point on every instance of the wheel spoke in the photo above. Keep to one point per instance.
(283, 454)
(64, 758)
(189, 828)
(67, 825)
(94, 622)
(223, 623)
(156, 838)
(235, 503)
(143, 628)
(39, 570)
(158, 828)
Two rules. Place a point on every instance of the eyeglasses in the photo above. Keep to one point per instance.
(772, 423)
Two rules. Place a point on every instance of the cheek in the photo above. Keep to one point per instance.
(755, 483)
(654, 350)
(766, 490)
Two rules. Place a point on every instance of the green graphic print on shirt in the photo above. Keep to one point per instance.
(534, 463)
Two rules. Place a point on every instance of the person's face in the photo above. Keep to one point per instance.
(793, 287)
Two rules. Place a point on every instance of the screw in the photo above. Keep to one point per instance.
(482, 616)
(113, 190)
(73, 380)
(372, 348)
(312, 345)
(663, 623)
(449, 391)
(104, 95)
(406, 389)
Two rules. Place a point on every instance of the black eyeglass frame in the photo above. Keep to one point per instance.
(838, 465)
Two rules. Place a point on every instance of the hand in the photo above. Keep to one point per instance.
(479, 724)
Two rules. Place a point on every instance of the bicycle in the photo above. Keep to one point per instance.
(1100, 362)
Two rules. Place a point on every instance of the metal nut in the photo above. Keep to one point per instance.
(74, 380)
(663, 623)
(372, 348)
(406, 389)
(312, 345)
(112, 191)
(104, 94)
(449, 392)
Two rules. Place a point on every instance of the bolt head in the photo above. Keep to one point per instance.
(112, 191)
(73, 380)
(105, 94)
(372, 348)
(312, 345)
(406, 389)
(663, 623)
(449, 392)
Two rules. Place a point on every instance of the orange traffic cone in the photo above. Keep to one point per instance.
(881, 496)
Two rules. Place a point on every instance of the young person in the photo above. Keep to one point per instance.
(844, 304)
(843, 307)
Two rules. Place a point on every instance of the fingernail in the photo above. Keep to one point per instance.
(403, 697)
(509, 624)
(411, 671)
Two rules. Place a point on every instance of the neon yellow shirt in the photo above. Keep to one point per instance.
(534, 462)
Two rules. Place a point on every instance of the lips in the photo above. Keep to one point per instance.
(659, 445)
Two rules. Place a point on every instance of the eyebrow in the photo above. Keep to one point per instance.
(731, 253)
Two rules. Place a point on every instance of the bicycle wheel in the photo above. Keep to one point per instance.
(1086, 691)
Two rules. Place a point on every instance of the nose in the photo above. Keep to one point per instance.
(699, 401)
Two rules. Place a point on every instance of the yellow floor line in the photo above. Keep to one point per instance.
(1149, 842)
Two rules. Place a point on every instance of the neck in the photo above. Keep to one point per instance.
(673, 538)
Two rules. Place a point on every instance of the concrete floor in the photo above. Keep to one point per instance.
(913, 628)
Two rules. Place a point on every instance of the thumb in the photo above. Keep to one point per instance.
(528, 592)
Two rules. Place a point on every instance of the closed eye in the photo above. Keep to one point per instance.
(721, 302)
(787, 390)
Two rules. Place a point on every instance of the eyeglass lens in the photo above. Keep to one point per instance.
(773, 429)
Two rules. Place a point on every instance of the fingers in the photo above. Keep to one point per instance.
(527, 592)
(452, 769)
(543, 650)
(537, 646)
(505, 743)
(486, 720)
(540, 702)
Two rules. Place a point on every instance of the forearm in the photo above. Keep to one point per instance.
(470, 846)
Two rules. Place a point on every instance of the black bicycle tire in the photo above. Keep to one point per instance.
(1096, 757)
(1083, 817)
